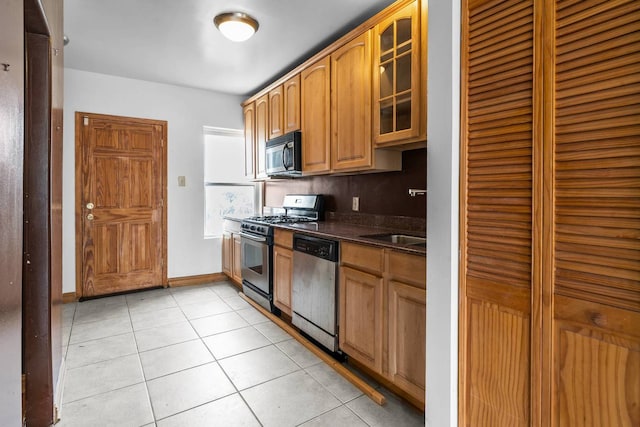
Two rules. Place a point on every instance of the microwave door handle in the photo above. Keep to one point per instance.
(284, 157)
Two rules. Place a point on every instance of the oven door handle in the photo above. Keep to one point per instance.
(254, 238)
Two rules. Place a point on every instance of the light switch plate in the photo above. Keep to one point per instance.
(355, 203)
(182, 181)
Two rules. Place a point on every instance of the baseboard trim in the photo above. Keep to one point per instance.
(175, 282)
(69, 297)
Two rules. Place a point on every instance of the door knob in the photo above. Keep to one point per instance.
(90, 205)
(90, 217)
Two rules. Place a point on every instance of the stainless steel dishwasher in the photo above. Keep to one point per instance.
(314, 288)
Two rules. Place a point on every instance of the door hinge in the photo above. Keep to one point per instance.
(86, 121)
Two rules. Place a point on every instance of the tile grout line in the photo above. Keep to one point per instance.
(223, 371)
(144, 376)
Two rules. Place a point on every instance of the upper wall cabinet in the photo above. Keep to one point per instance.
(284, 108)
(351, 104)
(261, 134)
(292, 104)
(276, 110)
(249, 139)
(399, 103)
(351, 145)
(316, 102)
(358, 102)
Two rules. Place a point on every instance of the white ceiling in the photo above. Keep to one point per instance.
(176, 42)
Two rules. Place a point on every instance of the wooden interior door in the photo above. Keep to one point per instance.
(592, 276)
(497, 183)
(120, 203)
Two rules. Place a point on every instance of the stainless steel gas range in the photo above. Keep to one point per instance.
(257, 244)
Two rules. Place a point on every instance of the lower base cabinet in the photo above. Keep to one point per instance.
(383, 314)
(407, 328)
(236, 264)
(282, 270)
(282, 278)
(361, 317)
(227, 253)
(231, 251)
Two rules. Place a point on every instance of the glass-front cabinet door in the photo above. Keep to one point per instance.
(397, 77)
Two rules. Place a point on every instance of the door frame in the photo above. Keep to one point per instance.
(79, 155)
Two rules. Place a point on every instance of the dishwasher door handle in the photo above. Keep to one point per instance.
(254, 238)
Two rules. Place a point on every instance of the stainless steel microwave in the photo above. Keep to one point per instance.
(283, 155)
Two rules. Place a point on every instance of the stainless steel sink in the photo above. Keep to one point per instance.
(401, 239)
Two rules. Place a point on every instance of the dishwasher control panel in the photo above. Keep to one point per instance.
(320, 248)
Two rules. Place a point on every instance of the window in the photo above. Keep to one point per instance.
(226, 190)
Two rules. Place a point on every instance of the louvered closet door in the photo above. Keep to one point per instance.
(595, 271)
(496, 212)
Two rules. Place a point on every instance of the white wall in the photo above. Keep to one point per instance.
(186, 111)
(443, 158)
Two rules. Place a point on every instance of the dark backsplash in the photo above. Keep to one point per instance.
(380, 193)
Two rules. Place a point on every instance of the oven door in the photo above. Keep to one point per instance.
(255, 262)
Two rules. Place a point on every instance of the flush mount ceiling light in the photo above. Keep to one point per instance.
(236, 26)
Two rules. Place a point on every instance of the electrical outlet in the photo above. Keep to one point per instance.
(355, 203)
(182, 181)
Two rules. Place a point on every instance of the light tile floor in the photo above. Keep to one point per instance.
(202, 356)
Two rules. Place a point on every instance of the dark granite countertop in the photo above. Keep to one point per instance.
(354, 233)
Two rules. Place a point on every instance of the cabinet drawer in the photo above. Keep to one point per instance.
(283, 238)
(362, 256)
(407, 268)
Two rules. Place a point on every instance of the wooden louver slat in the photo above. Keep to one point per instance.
(597, 154)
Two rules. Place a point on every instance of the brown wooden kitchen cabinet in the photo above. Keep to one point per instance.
(383, 314)
(282, 269)
(276, 111)
(284, 107)
(249, 112)
(231, 251)
(261, 135)
(348, 114)
(315, 82)
(236, 265)
(406, 304)
(227, 253)
(351, 146)
(362, 316)
(292, 104)
(271, 115)
(550, 261)
(399, 96)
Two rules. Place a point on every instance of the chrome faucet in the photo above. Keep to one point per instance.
(413, 192)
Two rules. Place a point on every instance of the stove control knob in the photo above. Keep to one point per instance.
(253, 227)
